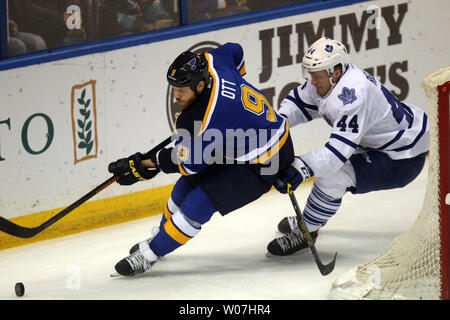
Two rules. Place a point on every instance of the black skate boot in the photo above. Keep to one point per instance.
(141, 260)
(290, 243)
(288, 224)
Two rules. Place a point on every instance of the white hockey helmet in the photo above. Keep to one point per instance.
(325, 54)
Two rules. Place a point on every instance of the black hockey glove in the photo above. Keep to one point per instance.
(295, 174)
(130, 170)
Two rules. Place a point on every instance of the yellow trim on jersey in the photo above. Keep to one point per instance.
(274, 150)
(166, 212)
(212, 97)
(242, 71)
(182, 171)
(174, 233)
(175, 122)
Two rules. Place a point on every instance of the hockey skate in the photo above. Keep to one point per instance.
(288, 244)
(154, 232)
(290, 224)
(141, 260)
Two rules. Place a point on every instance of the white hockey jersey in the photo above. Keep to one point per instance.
(364, 116)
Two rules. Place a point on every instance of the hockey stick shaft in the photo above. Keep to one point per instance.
(23, 232)
(324, 269)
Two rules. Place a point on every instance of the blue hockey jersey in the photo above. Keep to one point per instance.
(230, 122)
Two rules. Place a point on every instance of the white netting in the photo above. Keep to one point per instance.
(410, 268)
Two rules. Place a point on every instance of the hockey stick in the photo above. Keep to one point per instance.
(24, 232)
(325, 269)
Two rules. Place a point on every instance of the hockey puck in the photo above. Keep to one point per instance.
(20, 289)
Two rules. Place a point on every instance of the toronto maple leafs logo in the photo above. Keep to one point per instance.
(347, 95)
(329, 48)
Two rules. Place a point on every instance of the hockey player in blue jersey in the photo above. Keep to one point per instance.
(376, 143)
(229, 149)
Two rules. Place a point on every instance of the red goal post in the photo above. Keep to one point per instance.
(444, 163)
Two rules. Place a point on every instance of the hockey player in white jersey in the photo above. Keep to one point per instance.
(377, 142)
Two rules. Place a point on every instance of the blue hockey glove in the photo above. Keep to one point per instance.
(295, 174)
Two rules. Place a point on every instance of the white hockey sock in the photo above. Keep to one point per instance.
(319, 208)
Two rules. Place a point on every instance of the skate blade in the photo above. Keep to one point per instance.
(274, 256)
(115, 275)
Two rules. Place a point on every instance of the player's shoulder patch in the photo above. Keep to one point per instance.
(347, 96)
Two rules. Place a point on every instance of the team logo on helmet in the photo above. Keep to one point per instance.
(173, 72)
(172, 107)
(192, 64)
(329, 48)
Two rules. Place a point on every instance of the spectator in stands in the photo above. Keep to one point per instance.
(155, 13)
(233, 7)
(143, 15)
(107, 18)
(23, 42)
(47, 18)
(202, 10)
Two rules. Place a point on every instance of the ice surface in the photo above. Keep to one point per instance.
(225, 261)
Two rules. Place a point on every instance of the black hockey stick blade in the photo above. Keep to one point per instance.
(324, 269)
(16, 230)
(13, 229)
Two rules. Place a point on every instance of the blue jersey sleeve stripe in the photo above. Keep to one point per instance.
(303, 103)
(344, 140)
(339, 155)
(424, 127)
(409, 115)
(398, 136)
(302, 109)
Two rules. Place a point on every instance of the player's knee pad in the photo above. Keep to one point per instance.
(338, 184)
(177, 196)
(180, 190)
(198, 206)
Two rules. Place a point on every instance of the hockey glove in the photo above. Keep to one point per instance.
(295, 174)
(130, 170)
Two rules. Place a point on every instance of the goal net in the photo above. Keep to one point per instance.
(416, 265)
